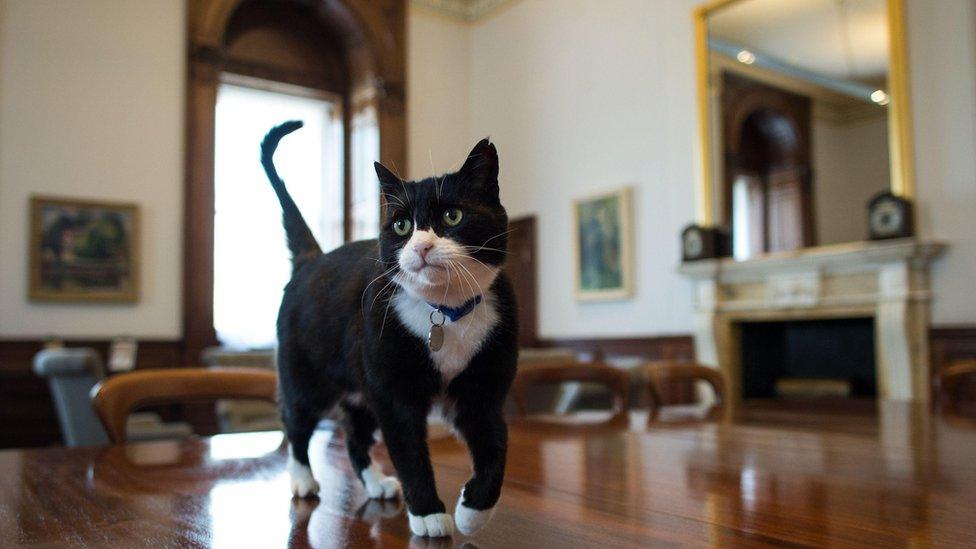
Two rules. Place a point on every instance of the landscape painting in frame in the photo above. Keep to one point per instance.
(602, 240)
(83, 251)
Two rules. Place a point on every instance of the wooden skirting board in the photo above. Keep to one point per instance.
(678, 347)
(948, 344)
(28, 417)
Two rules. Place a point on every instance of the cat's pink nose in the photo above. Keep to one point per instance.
(422, 248)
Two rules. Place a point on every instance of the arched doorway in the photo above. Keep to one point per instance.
(768, 178)
(353, 49)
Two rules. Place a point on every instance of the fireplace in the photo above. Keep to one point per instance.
(788, 296)
(808, 358)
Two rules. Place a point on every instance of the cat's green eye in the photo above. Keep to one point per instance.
(452, 216)
(402, 226)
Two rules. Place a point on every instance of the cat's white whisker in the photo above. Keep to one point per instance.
(476, 249)
(447, 288)
(379, 294)
(362, 298)
(467, 325)
(472, 258)
(402, 184)
(387, 310)
(475, 280)
(501, 234)
(393, 198)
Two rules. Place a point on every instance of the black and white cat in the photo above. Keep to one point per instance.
(353, 333)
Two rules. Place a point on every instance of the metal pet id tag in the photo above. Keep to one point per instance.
(435, 338)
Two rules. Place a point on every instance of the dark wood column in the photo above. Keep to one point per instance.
(198, 221)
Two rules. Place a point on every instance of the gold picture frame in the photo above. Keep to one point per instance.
(83, 250)
(603, 262)
(900, 132)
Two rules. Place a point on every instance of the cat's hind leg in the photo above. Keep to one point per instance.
(299, 426)
(360, 426)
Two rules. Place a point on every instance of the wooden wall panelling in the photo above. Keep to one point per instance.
(949, 344)
(679, 347)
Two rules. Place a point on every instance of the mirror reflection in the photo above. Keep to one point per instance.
(800, 120)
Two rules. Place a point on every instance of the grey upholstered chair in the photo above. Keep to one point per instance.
(71, 373)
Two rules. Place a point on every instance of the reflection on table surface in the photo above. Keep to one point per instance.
(895, 476)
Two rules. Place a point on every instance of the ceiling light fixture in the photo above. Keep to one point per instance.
(746, 57)
(880, 97)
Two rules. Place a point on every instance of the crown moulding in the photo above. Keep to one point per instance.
(463, 10)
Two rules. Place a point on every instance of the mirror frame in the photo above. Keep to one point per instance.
(900, 133)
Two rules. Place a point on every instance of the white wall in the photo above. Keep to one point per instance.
(942, 51)
(91, 106)
(582, 96)
(439, 88)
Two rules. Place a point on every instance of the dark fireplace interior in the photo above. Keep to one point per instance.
(809, 358)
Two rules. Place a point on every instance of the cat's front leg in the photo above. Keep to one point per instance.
(404, 428)
(486, 434)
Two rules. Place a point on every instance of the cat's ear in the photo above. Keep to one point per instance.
(481, 167)
(386, 177)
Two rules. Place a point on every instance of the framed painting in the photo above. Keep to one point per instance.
(603, 242)
(83, 251)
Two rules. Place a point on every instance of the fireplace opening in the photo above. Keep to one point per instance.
(808, 358)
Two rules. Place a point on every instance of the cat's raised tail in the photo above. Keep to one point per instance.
(301, 242)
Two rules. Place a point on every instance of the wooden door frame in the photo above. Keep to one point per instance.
(376, 52)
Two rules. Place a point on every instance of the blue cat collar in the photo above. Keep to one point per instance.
(457, 313)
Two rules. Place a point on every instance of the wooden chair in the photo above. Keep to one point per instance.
(662, 374)
(530, 375)
(114, 398)
(948, 383)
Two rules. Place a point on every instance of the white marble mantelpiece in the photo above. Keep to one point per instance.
(886, 280)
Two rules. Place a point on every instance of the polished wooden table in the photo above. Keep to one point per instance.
(899, 477)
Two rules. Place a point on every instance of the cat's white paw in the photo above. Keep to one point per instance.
(303, 484)
(434, 525)
(378, 485)
(470, 520)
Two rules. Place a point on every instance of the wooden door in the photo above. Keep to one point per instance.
(521, 269)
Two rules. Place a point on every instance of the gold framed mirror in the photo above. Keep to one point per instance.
(781, 84)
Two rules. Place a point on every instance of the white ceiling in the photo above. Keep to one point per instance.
(845, 39)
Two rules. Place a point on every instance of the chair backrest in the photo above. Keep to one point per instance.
(548, 372)
(118, 395)
(661, 374)
(950, 380)
(71, 373)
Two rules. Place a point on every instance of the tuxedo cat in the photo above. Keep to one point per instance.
(383, 328)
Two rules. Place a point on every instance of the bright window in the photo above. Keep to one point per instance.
(747, 217)
(365, 203)
(251, 259)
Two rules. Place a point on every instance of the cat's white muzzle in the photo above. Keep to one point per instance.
(438, 270)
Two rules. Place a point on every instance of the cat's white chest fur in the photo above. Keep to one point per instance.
(462, 339)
